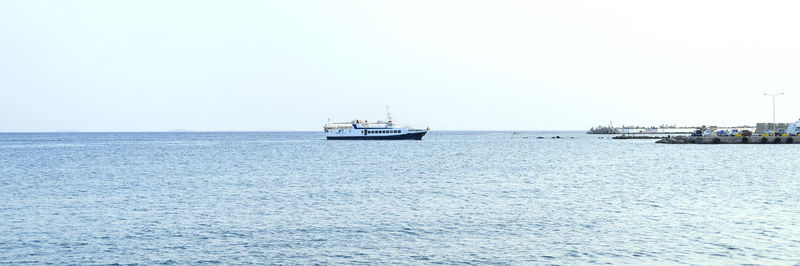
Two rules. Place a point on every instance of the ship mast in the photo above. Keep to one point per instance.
(388, 116)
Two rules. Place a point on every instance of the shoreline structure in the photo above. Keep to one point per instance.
(762, 133)
(755, 139)
(661, 130)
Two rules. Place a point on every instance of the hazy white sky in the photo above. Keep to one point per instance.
(291, 65)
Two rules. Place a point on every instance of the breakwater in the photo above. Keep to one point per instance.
(731, 140)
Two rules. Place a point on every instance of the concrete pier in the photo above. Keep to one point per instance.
(746, 140)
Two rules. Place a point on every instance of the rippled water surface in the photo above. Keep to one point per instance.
(454, 197)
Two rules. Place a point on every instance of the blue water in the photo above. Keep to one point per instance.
(454, 197)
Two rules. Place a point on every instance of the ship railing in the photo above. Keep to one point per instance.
(337, 127)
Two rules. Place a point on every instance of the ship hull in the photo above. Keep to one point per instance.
(412, 136)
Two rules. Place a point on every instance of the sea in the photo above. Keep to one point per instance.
(452, 198)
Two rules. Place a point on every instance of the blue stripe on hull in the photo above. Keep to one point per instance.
(414, 136)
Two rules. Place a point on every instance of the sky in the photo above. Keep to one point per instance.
(450, 65)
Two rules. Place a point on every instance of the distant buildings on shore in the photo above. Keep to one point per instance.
(672, 129)
(659, 130)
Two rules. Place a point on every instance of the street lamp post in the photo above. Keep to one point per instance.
(773, 109)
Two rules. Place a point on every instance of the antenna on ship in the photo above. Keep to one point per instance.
(388, 116)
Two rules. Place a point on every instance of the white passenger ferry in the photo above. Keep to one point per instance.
(364, 130)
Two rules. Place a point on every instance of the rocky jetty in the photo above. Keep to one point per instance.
(676, 140)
